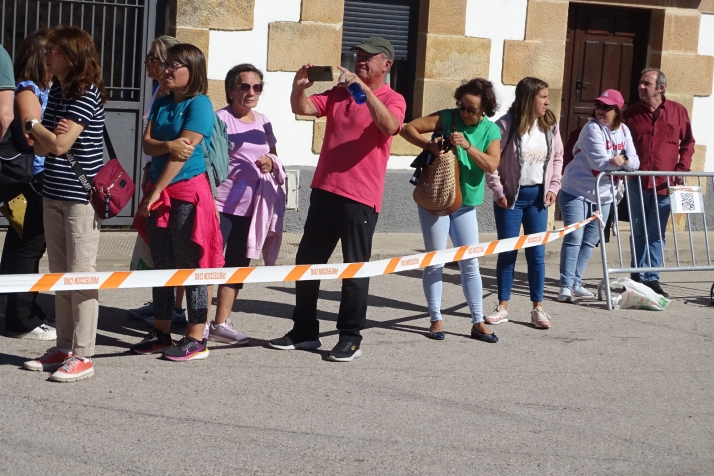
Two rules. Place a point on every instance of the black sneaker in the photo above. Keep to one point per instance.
(187, 348)
(155, 341)
(654, 286)
(287, 343)
(345, 351)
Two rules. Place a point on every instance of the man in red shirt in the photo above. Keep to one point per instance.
(662, 134)
(347, 190)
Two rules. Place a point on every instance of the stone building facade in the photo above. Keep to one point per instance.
(503, 40)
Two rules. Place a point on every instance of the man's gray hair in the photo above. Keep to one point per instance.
(661, 78)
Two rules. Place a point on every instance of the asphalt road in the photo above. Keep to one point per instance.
(622, 392)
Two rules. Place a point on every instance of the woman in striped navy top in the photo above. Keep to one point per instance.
(72, 228)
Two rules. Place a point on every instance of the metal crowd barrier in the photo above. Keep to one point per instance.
(637, 188)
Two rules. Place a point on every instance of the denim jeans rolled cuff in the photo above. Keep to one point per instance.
(577, 247)
(462, 227)
(650, 245)
(529, 211)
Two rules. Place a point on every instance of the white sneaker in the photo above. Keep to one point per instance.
(581, 292)
(565, 295)
(226, 333)
(41, 332)
(539, 318)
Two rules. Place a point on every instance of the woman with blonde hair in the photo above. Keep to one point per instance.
(524, 186)
(153, 61)
(77, 98)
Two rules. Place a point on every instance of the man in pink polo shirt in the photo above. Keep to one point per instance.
(347, 190)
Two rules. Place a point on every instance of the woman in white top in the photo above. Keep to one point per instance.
(524, 186)
(605, 143)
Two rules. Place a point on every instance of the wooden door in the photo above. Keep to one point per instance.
(606, 48)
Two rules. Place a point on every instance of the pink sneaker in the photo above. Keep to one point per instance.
(226, 333)
(74, 368)
(498, 315)
(539, 318)
(52, 360)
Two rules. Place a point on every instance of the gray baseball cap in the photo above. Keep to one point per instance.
(375, 45)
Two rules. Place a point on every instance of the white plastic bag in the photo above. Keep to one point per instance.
(637, 295)
(141, 258)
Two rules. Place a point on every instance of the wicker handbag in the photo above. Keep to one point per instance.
(438, 190)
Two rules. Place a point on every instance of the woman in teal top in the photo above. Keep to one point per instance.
(177, 125)
(478, 146)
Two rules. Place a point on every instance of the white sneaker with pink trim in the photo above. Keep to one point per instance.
(499, 314)
(539, 318)
(226, 333)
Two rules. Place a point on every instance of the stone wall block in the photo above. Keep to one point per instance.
(216, 14)
(547, 20)
(322, 11)
(456, 58)
(433, 95)
(318, 134)
(688, 74)
(443, 17)
(291, 45)
(217, 93)
(681, 30)
(401, 147)
(199, 37)
(698, 159)
(532, 58)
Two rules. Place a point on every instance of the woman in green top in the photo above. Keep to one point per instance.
(478, 147)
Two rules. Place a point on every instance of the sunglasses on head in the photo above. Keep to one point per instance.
(604, 107)
(245, 87)
(469, 110)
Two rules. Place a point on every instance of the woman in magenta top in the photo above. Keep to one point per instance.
(252, 158)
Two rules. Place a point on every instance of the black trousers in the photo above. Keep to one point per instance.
(330, 218)
(22, 256)
(235, 230)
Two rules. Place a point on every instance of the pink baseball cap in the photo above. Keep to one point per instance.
(611, 97)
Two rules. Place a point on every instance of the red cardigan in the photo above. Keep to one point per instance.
(666, 144)
(206, 229)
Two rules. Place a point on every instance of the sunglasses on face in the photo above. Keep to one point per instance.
(469, 110)
(604, 107)
(172, 67)
(51, 51)
(257, 88)
(149, 58)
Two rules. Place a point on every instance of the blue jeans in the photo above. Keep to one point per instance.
(530, 211)
(650, 223)
(463, 229)
(578, 245)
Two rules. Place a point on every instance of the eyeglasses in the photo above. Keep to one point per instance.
(245, 87)
(149, 58)
(172, 67)
(51, 51)
(604, 107)
(468, 110)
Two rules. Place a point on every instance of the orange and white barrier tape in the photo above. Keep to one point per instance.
(266, 274)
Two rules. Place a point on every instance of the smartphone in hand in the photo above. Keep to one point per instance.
(320, 73)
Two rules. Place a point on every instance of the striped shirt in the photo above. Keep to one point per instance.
(61, 183)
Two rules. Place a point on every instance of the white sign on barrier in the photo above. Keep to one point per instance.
(686, 199)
